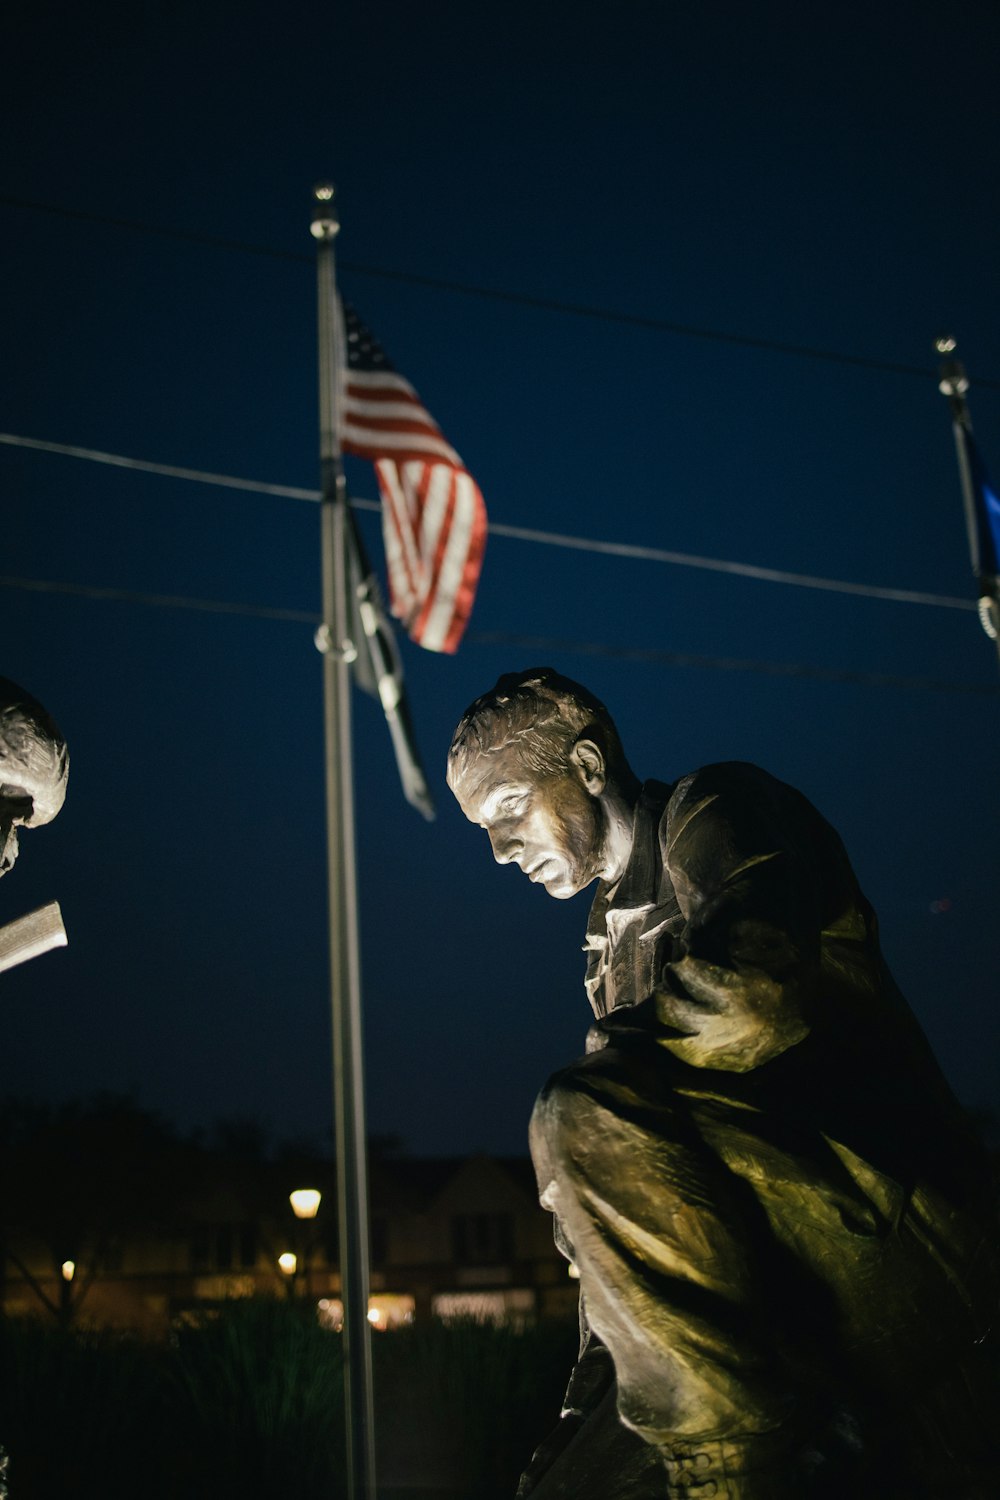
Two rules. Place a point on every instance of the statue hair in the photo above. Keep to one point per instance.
(544, 715)
(34, 761)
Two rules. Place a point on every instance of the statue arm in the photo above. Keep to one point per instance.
(742, 982)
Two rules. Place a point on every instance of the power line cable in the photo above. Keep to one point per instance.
(493, 294)
(162, 231)
(159, 601)
(742, 570)
(519, 533)
(168, 471)
(653, 654)
(542, 644)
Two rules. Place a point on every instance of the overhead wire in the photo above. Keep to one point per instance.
(653, 654)
(158, 601)
(542, 644)
(620, 549)
(634, 550)
(494, 294)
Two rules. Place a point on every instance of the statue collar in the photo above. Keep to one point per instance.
(639, 884)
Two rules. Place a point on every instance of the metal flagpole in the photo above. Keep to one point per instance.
(954, 383)
(333, 639)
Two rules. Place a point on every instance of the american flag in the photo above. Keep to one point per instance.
(433, 516)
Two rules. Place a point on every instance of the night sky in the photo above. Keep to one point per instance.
(812, 175)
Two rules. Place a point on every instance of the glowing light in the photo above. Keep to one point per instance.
(323, 192)
(945, 344)
(68, 1269)
(330, 1312)
(573, 1271)
(305, 1202)
(288, 1262)
(385, 1310)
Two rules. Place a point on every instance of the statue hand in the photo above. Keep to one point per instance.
(718, 1017)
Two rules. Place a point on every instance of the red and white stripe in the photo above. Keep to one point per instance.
(433, 515)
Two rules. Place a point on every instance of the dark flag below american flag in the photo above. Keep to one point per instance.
(433, 516)
(378, 670)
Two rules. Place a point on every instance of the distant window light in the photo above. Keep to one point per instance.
(224, 1247)
(113, 1258)
(201, 1248)
(482, 1239)
(385, 1310)
(248, 1246)
(515, 1306)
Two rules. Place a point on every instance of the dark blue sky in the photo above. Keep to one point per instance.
(816, 175)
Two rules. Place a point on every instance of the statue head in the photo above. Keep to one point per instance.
(538, 763)
(34, 767)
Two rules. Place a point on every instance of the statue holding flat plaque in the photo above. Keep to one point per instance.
(34, 769)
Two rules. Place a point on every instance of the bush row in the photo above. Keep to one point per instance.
(249, 1403)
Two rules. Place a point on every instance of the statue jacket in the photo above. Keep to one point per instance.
(739, 941)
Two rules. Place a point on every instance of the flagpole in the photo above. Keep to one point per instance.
(954, 384)
(333, 639)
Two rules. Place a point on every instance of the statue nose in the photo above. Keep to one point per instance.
(506, 846)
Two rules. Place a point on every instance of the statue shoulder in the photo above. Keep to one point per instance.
(726, 775)
(737, 804)
(734, 782)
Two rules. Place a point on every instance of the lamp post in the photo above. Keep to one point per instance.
(305, 1206)
(67, 1271)
(288, 1265)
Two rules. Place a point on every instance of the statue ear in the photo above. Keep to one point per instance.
(587, 760)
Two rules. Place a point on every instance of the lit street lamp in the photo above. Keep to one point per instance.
(305, 1202)
(67, 1270)
(305, 1205)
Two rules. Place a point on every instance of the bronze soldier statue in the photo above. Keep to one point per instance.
(783, 1227)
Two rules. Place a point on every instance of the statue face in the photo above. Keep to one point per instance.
(34, 766)
(548, 824)
(15, 809)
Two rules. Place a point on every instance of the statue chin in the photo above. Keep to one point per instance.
(8, 846)
(559, 884)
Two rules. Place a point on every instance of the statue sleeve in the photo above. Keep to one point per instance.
(758, 875)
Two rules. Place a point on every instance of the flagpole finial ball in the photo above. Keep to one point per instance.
(945, 344)
(325, 222)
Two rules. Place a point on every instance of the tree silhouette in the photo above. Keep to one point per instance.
(79, 1178)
